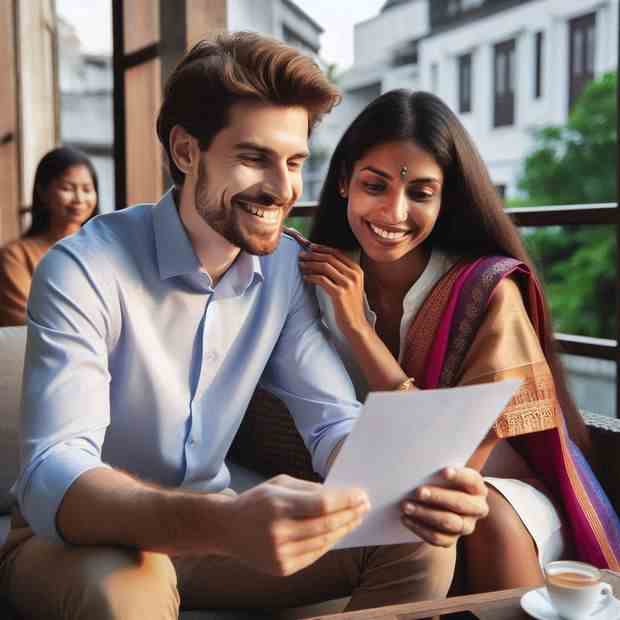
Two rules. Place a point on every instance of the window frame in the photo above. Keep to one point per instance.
(582, 29)
(539, 49)
(465, 82)
(504, 83)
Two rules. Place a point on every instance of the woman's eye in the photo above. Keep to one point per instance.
(374, 188)
(420, 196)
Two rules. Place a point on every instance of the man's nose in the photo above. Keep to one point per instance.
(279, 185)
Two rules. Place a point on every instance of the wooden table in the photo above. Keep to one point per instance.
(502, 605)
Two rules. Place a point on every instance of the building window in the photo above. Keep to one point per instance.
(465, 83)
(538, 76)
(504, 84)
(435, 78)
(581, 55)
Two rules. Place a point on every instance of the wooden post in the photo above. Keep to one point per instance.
(9, 179)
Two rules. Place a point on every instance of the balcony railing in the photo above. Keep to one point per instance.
(573, 215)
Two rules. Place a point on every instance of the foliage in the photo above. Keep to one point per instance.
(577, 164)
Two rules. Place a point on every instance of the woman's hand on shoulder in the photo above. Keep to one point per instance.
(342, 279)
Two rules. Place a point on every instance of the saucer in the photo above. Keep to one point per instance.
(536, 603)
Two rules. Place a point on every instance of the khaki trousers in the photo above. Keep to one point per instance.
(51, 581)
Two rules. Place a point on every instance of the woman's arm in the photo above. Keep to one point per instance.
(343, 280)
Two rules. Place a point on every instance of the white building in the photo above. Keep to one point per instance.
(505, 66)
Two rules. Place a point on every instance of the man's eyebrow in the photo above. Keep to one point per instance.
(252, 146)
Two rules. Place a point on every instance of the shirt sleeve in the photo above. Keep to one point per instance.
(65, 399)
(15, 280)
(506, 346)
(306, 372)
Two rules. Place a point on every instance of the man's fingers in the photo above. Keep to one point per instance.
(289, 482)
(465, 479)
(322, 542)
(327, 501)
(439, 520)
(306, 529)
(450, 501)
(438, 539)
(304, 500)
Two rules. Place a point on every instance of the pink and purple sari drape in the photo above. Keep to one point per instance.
(436, 352)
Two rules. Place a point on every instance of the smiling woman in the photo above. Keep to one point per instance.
(64, 197)
(421, 274)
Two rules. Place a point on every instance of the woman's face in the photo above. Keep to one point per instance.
(394, 196)
(71, 197)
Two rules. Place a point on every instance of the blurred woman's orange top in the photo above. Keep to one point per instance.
(18, 261)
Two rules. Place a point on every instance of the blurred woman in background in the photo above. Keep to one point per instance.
(64, 196)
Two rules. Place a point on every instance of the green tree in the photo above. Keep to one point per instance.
(576, 164)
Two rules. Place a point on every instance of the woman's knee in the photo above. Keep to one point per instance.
(501, 527)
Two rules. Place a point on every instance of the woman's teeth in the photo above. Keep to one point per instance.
(387, 234)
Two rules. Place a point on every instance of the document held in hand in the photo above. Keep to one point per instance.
(402, 440)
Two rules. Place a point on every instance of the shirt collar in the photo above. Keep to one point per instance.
(176, 256)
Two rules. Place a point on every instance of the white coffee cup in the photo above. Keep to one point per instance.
(575, 588)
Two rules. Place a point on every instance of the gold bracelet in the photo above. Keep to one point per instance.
(407, 384)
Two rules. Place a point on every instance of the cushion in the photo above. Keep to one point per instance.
(12, 349)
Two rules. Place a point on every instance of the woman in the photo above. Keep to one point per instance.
(63, 198)
(423, 282)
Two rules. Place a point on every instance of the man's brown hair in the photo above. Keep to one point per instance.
(235, 67)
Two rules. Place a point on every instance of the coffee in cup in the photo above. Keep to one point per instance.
(575, 588)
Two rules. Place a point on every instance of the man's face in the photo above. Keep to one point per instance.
(250, 176)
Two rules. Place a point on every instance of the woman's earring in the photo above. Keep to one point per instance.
(343, 193)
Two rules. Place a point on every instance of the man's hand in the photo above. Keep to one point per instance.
(441, 514)
(286, 524)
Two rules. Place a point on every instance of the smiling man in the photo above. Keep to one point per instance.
(149, 331)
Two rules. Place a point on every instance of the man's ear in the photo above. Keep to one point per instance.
(184, 150)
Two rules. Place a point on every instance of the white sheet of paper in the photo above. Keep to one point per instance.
(402, 439)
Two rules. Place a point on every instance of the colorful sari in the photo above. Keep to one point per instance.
(447, 338)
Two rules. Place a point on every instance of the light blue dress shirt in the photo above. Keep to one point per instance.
(135, 361)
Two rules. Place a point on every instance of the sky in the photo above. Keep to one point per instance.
(93, 19)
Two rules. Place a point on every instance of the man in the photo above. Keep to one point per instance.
(148, 332)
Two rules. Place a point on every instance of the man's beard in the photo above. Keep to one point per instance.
(225, 221)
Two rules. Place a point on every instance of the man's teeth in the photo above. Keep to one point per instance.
(387, 234)
(270, 215)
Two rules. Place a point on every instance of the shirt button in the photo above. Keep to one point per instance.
(191, 443)
(211, 356)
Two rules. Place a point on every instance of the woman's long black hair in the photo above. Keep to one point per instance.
(472, 221)
(52, 165)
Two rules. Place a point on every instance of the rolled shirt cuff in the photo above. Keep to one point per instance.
(327, 444)
(41, 490)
